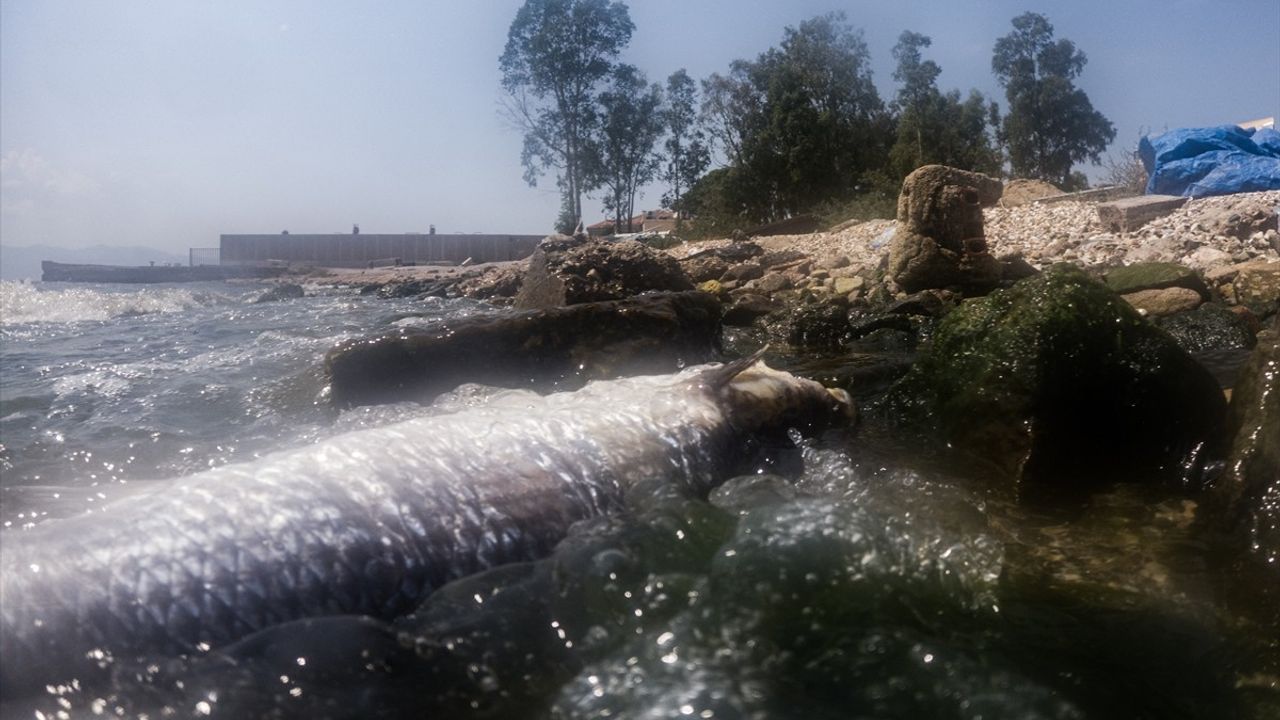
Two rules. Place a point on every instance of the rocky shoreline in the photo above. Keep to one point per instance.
(1022, 339)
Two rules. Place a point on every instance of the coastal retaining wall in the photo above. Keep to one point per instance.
(359, 250)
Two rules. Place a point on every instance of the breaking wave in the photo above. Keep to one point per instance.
(22, 303)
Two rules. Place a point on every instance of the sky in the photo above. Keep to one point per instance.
(167, 123)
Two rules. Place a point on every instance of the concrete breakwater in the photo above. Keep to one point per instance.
(70, 272)
(359, 250)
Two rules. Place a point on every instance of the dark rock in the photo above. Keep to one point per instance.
(747, 307)
(1209, 327)
(820, 325)
(1155, 276)
(743, 271)
(567, 271)
(1057, 382)
(1014, 268)
(939, 241)
(283, 291)
(781, 258)
(555, 348)
(864, 325)
(930, 303)
(702, 268)
(416, 288)
(1249, 490)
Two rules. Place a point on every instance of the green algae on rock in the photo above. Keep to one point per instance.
(1057, 381)
(1155, 276)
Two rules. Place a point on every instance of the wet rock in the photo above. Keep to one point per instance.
(1164, 301)
(1155, 276)
(416, 288)
(1249, 491)
(566, 271)
(939, 241)
(929, 303)
(1056, 382)
(559, 348)
(283, 291)
(820, 325)
(1015, 267)
(1209, 327)
(747, 307)
(846, 285)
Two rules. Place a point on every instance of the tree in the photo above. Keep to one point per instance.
(1051, 124)
(625, 144)
(803, 123)
(933, 127)
(687, 152)
(556, 54)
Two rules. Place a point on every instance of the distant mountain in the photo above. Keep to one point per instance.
(19, 262)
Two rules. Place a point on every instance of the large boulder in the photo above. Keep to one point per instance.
(559, 348)
(566, 270)
(939, 241)
(1057, 382)
(1155, 276)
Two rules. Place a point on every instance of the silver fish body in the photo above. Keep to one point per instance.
(369, 522)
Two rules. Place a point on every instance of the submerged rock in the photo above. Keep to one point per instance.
(283, 291)
(566, 271)
(560, 347)
(1209, 327)
(1058, 382)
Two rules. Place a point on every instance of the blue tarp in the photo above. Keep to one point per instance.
(1196, 162)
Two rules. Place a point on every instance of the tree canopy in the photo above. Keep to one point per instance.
(625, 146)
(687, 154)
(937, 128)
(1050, 124)
(557, 52)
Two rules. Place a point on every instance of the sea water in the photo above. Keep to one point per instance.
(858, 579)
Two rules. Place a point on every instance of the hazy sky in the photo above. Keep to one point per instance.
(168, 122)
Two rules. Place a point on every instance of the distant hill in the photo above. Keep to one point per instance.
(19, 262)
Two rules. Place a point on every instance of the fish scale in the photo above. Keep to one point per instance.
(366, 523)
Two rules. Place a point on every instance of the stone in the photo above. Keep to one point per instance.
(771, 283)
(743, 271)
(1155, 276)
(552, 349)
(1163, 301)
(1131, 213)
(283, 291)
(832, 262)
(566, 270)
(1015, 267)
(417, 288)
(712, 287)
(820, 325)
(1056, 382)
(1248, 494)
(846, 285)
(495, 283)
(1257, 287)
(747, 307)
(1208, 257)
(701, 268)
(939, 241)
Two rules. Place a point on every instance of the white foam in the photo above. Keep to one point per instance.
(22, 303)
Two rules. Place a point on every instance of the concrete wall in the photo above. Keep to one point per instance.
(337, 250)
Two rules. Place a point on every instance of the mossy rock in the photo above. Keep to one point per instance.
(1209, 327)
(1155, 276)
(1057, 382)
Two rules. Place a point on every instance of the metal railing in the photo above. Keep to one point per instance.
(205, 256)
